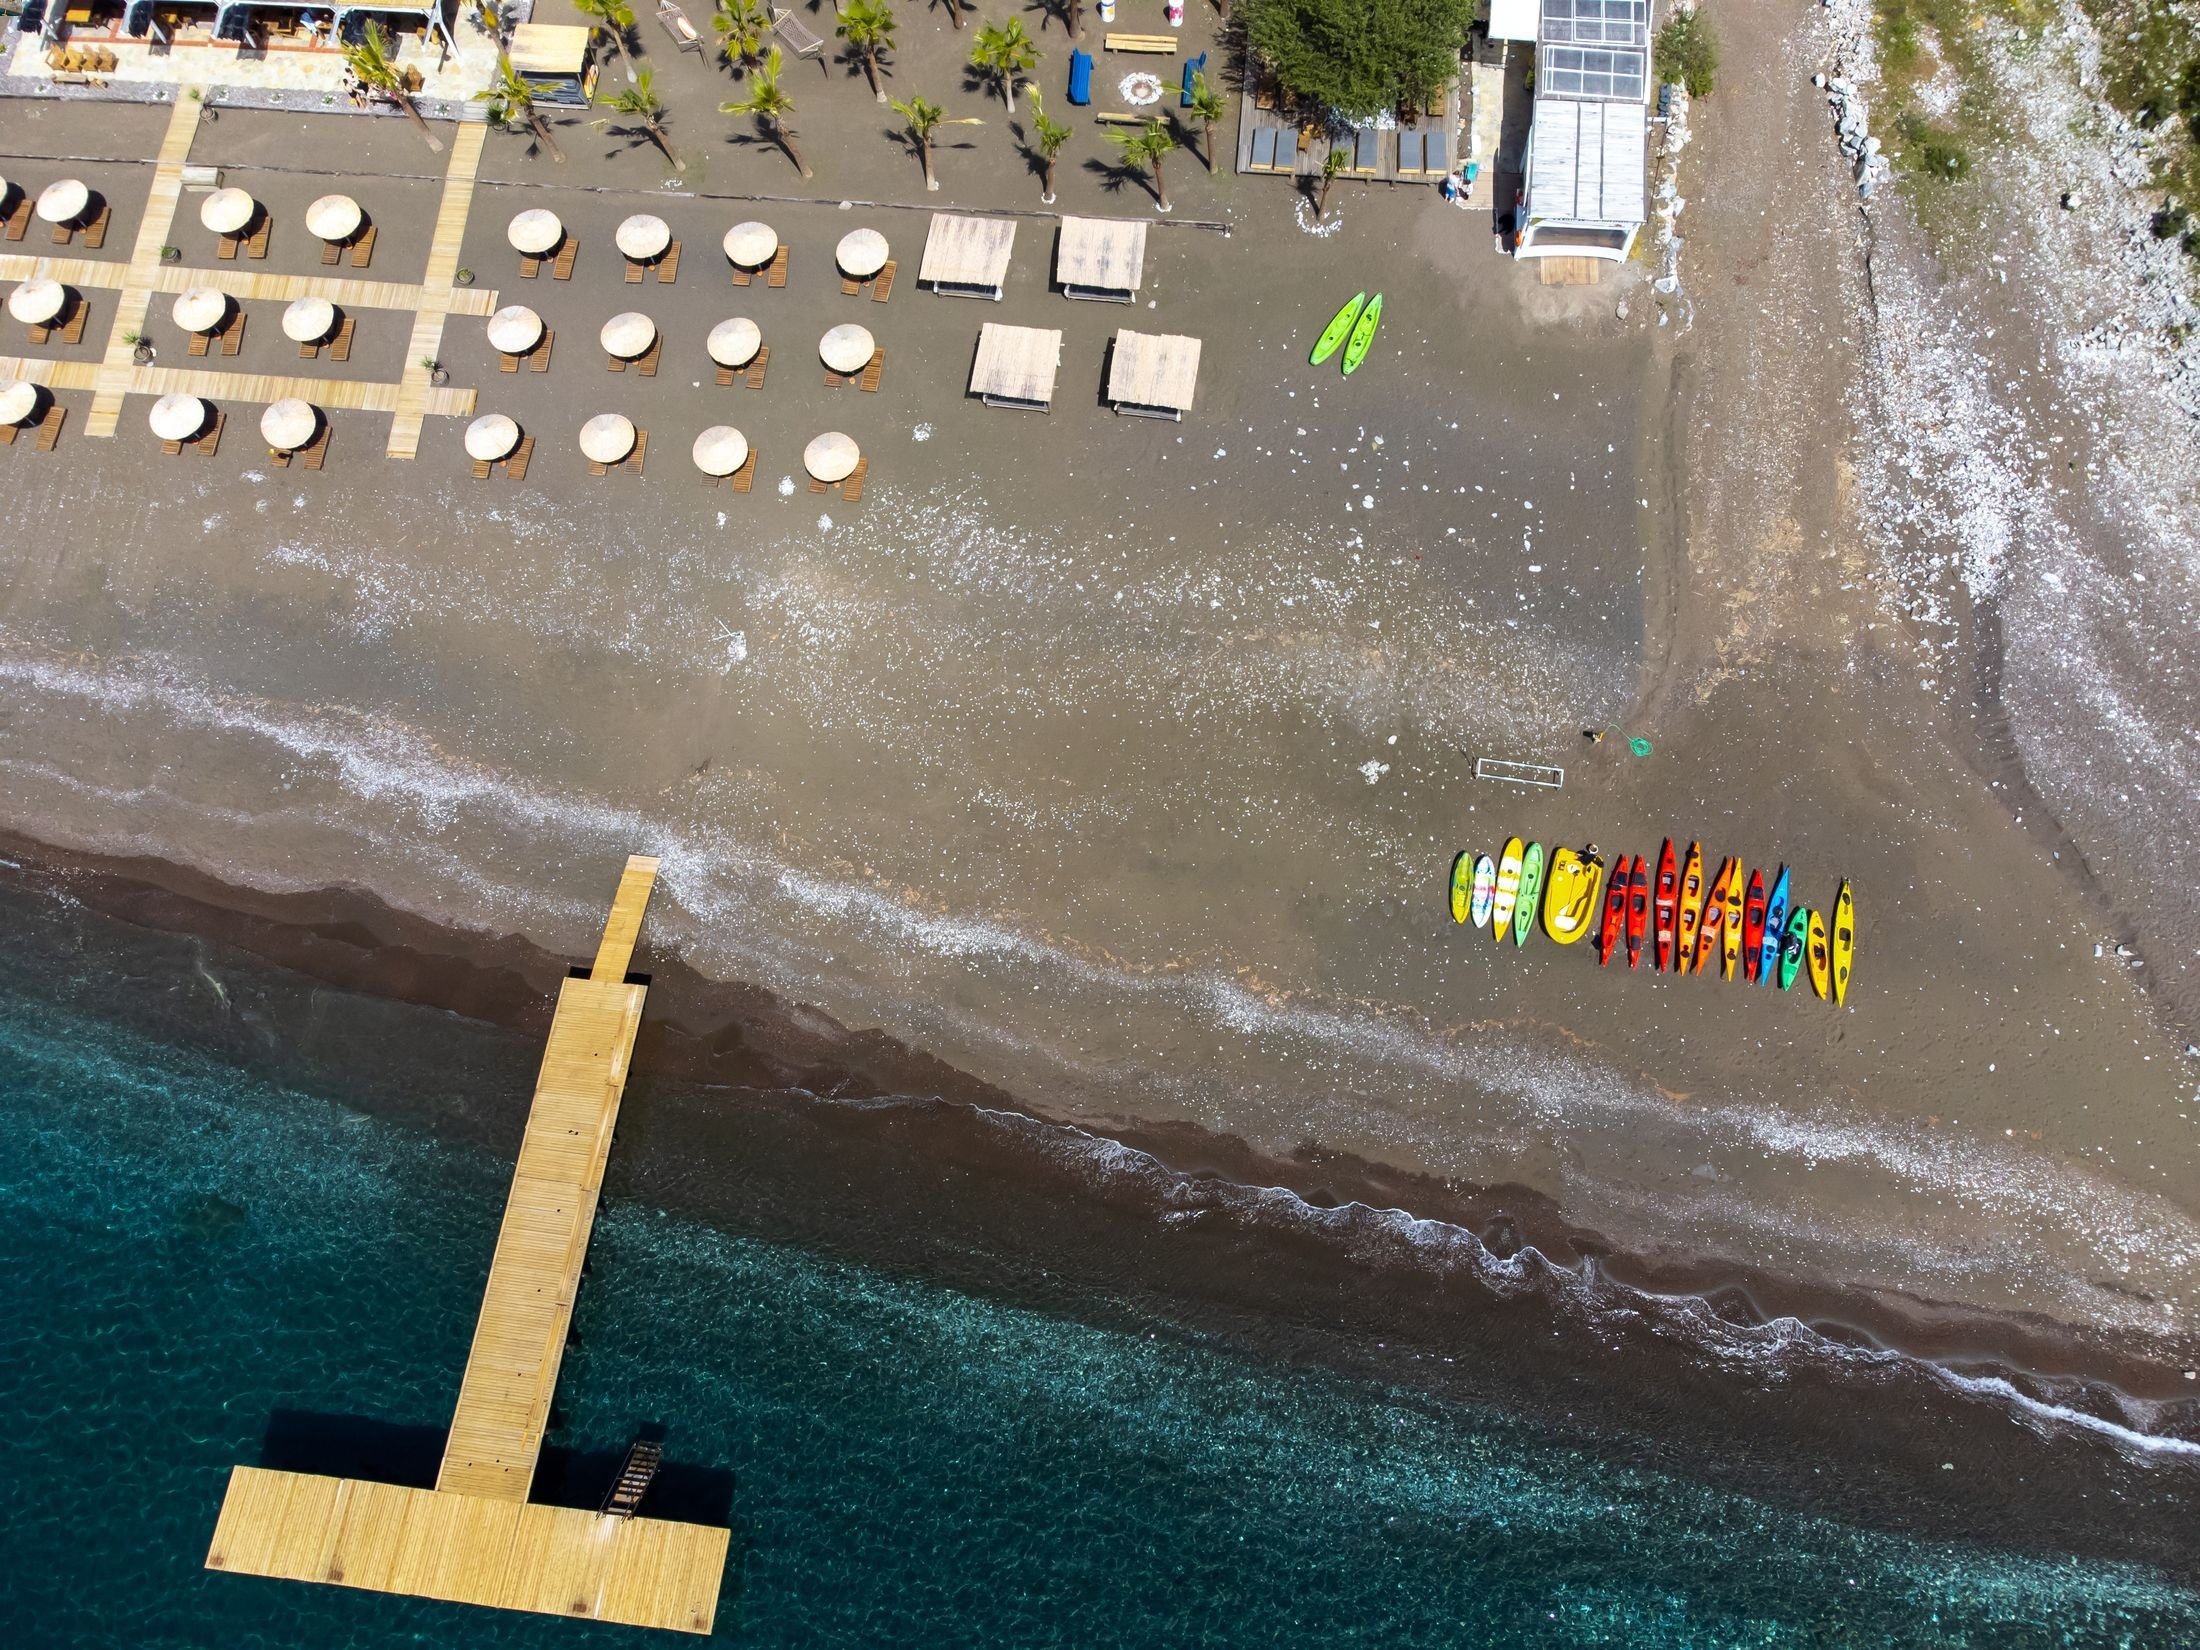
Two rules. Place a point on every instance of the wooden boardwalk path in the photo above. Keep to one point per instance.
(476, 1538)
(435, 294)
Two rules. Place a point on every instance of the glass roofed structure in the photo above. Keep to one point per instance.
(1586, 189)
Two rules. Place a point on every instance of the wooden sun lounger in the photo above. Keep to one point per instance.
(362, 247)
(850, 286)
(745, 477)
(515, 467)
(507, 363)
(198, 344)
(668, 266)
(95, 232)
(817, 486)
(636, 272)
(256, 247)
(529, 266)
(232, 335)
(315, 454)
(562, 270)
(852, 489)
(778, 275)
(726, 376)
(742, 277)
(635, 458)
(339, 347)
(225, 247)
(538, 358)
(757, 366)
(482, 467)
(871, 373)
(44, 432)
(19, 221)
(647, 365)
(1143, 43)
(882, 285)
(332, 252)
(207, 443)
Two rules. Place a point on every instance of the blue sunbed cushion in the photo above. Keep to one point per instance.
(1370, 149)
(1263, 157)
(1410, 146)
(1080, 78)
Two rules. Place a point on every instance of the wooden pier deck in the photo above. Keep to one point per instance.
(476, 1538)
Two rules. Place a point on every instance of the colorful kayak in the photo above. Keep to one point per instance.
(1821, 964)
(1691, 911)
(1570, 895)
(1731, 939)
(1791, 949)
(1776, 916)
(1638, 908)
(1462, 885)
(1714, 918)
(1508, 889)
(1363, 334)
(1844, 941)
(1753, 929)
(1531, 889)
(1668, 897)
(1485, 890)
(1615, 912)
(1333, 335)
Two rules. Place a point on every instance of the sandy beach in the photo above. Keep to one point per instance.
(1116, 766)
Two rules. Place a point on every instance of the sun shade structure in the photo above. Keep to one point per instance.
(200, 308)
(37, 301)
(63, 201)
(491, 436)
(308, 320)
(847, 347)
(1101, 258)
(1016, 366)
(226, 211)
(607, 438)
(642, 236)
(721, 450)
(1153, 374)
(334, 218)
(289, 423)
(861, 253)
(514, 329)
(177, 417)
(18, 400)
(967, 257)
(733, 343)
(476, 1538)
(535, 231)
(831, 456)
(751, 244)
(628, 334)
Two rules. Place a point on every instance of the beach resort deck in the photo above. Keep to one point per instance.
(476, 1538)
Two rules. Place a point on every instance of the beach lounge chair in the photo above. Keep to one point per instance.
(1263, 156)
(1367, 156)
(676, 24)
(362, 248)
(339, 347)
(538, 358)
(515, 467)
(758, 366)
(315, 453)
(852, 489)
(562, 270)
(668, 265)
(19, 220)
(49, 426)
(745, 477)
(232, 335)
(882, 284)
(778, 273)
(799, 39)
(95, 232)
(872, 372)
(1192, 66)
(1411, 147)
(1080, 77)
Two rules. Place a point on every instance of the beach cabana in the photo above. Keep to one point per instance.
(1016, 366)
(1101, 258)
(967, 257)
(1153, 374)
(556, 51)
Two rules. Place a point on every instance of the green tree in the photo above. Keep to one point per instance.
(924, 117)
(374, 65)
(1047, 136)
(510, 98)
(1207, 108)
(1002, 52)
(868, 27)
(1358, 57)
(617, 18)
(742, 26)
(1688, 53)
(1332, 163)
(955, 10)
(642, 102)
(769, 106)
(1144, 150)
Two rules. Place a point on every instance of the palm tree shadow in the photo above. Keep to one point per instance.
(1056, 11)
(1034, 162)
(1116, 176)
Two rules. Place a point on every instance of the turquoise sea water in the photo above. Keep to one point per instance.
(188, 1250)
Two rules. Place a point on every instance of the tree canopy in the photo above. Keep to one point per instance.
(1358, 57)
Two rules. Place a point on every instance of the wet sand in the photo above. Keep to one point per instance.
(1047, 759)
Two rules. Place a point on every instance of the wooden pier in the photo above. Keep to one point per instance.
(476, 1538)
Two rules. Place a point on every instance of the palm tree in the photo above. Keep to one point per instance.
(1047, 136)
(1207, 108)
(617, 18)
(374, 66)
(511, 101)
(924, 118)
(868, 27)
(1143, 150)
(742, 26)
(641, 101)
(1332, 163)
(769, 106)
(954, 10)
(1003, 51)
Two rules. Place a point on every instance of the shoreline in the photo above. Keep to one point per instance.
(755, 1115)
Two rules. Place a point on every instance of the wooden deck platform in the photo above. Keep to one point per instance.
(476, 1538)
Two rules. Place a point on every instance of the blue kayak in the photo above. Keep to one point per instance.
(1776, 916)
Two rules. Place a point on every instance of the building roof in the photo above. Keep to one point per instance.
(1154, 369)
(549, 48)
(1513, 19)
(1593, 23)
(1587, 161)
(1108, 253)
(970, 252)
(1016, 363)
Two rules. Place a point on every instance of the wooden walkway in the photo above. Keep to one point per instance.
(117, 365)
(435, 294)
(475, 1537)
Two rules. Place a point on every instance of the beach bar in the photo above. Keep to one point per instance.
(1015, 366)
(1153, 374)
(1101, 258)
(967, 257)
(476, 1538)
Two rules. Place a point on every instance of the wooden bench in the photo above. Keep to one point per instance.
(1143, 43)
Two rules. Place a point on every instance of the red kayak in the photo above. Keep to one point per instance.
(1638, 908)
(1753, 915)
(1615, 911)
(1669, 895)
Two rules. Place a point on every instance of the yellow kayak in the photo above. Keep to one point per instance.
(1570, 890)
(1821, 963)
(1508, 885)
(1462, 884)
(1844, 941)
(1730, 932)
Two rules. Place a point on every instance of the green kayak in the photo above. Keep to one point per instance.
(1363, 334)
(1531, 890)
(1791, 949)
(1334, 333)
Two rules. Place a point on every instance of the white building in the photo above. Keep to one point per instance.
(1586, 189)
